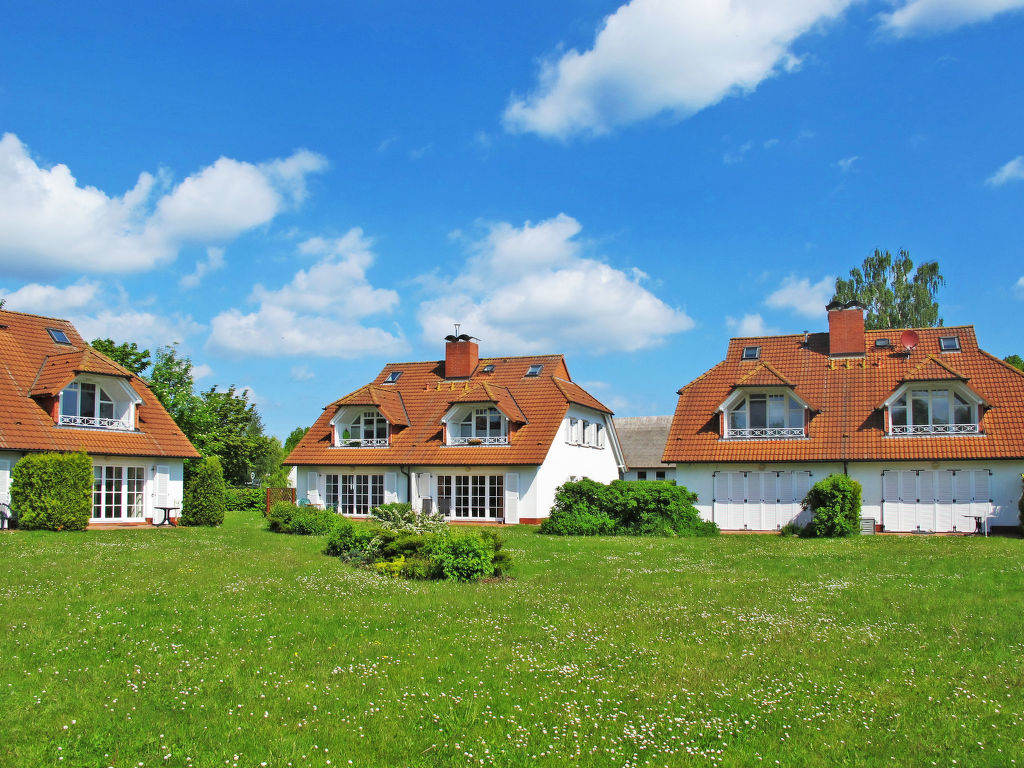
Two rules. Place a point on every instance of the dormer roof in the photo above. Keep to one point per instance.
(57, 371)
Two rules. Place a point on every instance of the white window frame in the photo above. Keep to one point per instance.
(932, 394)
(737, 416)
(105, 394)
(357, 493)
(477, 425)
(473, 497)
(119, 489)
(353, 419)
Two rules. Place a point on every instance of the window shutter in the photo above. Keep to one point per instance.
(163, 482)
(390, 487)
(512, 497)
(5, 481)
(312, 489)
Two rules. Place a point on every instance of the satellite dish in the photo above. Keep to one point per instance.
(909, 339)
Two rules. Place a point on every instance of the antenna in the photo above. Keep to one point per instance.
(457, 328)
(909, 340)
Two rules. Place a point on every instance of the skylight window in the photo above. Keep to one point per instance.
(393, 377)
(883, 343)
(489, 368)
(534, 370)
(58, 336)
(751, 353)
(949, 343)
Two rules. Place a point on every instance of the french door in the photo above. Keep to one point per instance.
(118, 492)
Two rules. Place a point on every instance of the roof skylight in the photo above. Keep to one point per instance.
(535, 370)
(392, 377)
(58, 336)
(949, 343)
(751, 353)
(489, 368)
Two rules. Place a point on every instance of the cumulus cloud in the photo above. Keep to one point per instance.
(50, 223)
(214, 261)
(749, 325)
(201, 371)
(845, 165)
(666, 56)
(802, 296)
(1019, 287)
(49, 299)
(925, 16)
(529, 289)
(1012, 171)
(148, 329)
(318, 313)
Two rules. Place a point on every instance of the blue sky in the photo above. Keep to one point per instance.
(298, 193)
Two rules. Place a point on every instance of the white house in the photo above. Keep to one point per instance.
(59, 394)
(929, 424)
(486, 439)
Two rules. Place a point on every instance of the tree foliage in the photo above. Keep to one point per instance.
(127, 354)
(895, 294)
(293, 439)
(204, 495)
(1016, 361)
(52, 491)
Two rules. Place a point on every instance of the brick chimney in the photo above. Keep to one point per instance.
(845, 329)
(461, 355)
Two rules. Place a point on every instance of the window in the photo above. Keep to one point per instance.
(762, 416)
(641, 474)
(949, 343)
(932, 412)
(480, 426)
(471, 496)
(58, 336)
(659, 475)
(489, 368)
(369, 429)
(84, 404)
(355, 494)
(751, 353)
(535, 370)
(393, 377)
(882, 343)
(118, 492)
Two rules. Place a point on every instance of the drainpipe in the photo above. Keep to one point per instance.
(408, 481)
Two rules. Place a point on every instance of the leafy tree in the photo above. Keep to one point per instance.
(171, 381)
(127, 354)
(896, 295)
(1016, 361)
(293, 439)
(204, 495)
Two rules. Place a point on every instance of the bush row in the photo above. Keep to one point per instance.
(52, 491)
(285, 517)
(633, 507)
(245, 499)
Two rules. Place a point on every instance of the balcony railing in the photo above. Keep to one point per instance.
(95, 422)
(495, 440)
(765, 433)
(909, 430)
(366, 442)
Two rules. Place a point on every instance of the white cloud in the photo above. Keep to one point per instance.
(655, 56)
(1012, 171)
(845, 165)
(302, 373)
(49, 299)
(201, 371)
(1019, 288)
(749, 325)
(214, 261)
(802, 296)
(49, 223)
(528, 289)
(318, 312)
(146, 328)
(923, 16)
(734, 156)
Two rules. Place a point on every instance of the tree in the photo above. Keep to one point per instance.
(1016, 361)
(293, 439)
(172, 383)
(230, 427)
(895, 295)
(127, 354)
(204, 495)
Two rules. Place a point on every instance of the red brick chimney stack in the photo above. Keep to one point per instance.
(845, 329)
(461, 355)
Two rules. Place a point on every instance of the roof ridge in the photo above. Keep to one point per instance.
(33, 314)
(931, 358)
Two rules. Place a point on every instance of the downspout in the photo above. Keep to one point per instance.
(408, 482)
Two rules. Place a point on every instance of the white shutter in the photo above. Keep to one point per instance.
(5, 481)
(720, 503)
(512, 497)
(390, 487)
(312, 487)
(162, 485)
(944, 520)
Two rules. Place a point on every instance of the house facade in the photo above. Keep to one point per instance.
(929, 424)
(478, 439)
(59, 394)
(643, 440)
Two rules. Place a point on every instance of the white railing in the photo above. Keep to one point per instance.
(497, 440)
(94, 421)
(764, 433)
(366, 442)
(936, 429)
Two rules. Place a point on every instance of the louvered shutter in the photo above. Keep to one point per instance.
(511, 497)
(5, 481)
(390, 487)
(162, 485)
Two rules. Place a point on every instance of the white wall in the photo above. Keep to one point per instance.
(1006, 481)
(565, 461)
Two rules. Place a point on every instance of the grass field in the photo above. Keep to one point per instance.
(242, 648)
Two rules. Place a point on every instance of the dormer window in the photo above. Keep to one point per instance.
(479, 426)
(751, 353)
(924, 411)
(58, 336)
(367, 429)
(87, 404)
(764, 416)
(949, 343)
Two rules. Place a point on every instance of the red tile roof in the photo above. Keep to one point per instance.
(847, 394)
(34, 369)
(535, 405)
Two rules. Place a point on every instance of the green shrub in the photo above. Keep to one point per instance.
(52, 491)
(285, 517)
(204, 495)
(279, 518)
(579, 510)
(340, 541)
(402, 517)
(461, 557)
(392, 568)
(245, 499)
(835, 502)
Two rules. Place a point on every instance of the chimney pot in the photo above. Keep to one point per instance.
(845, 330)
(460, 358)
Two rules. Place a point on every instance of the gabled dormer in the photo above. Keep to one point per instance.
(763, 406)
(84, 390)
(482, 415)
(367, 418)
(933, 400)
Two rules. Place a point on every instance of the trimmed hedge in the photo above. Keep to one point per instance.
(245, 499)
(286, 517)
(835, 502)
(52, 491)
(204, 495)
(632, 507)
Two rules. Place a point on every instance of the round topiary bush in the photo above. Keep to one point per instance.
(52, 491)
(204, 495)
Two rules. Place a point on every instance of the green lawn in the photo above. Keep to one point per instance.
(239, 647)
